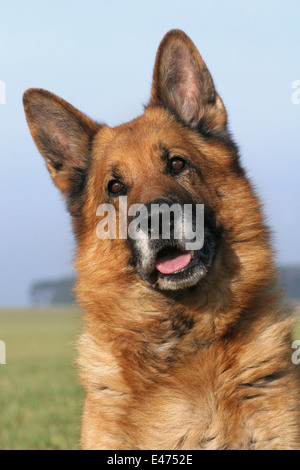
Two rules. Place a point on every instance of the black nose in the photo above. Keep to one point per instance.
(162, 215)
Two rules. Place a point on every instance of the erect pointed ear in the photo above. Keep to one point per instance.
(183, 84)
(62, 134)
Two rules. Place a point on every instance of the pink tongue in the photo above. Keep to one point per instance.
(173, 262)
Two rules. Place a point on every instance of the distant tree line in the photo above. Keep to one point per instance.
(290, 280)
(53, 292)
(61, 291)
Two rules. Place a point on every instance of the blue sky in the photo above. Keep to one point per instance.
(99, 56)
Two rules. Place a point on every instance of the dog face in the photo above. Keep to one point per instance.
(162, 168)
(177, 153)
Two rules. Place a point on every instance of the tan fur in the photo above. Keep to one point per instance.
(209, 369)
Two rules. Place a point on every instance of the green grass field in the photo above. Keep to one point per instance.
(40, 399)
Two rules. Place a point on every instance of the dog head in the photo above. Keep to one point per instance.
(177, 154)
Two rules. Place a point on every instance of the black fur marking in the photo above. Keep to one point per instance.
(267, 379)
(57, 165)
(115, 173)
(77, 192)
(251, 397)
(75, 198)
(181, 323)
(222, 136)
(260, 384)
(164, 155)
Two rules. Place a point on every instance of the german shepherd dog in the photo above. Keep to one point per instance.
(181, 349)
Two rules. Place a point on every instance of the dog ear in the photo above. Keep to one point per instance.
(183, 84)
(62, 134)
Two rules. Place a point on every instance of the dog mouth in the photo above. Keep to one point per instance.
(169, 266)
(173, 261)
(178, 269)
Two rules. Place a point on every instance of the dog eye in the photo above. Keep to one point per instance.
(115, 187)
(177, 164)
